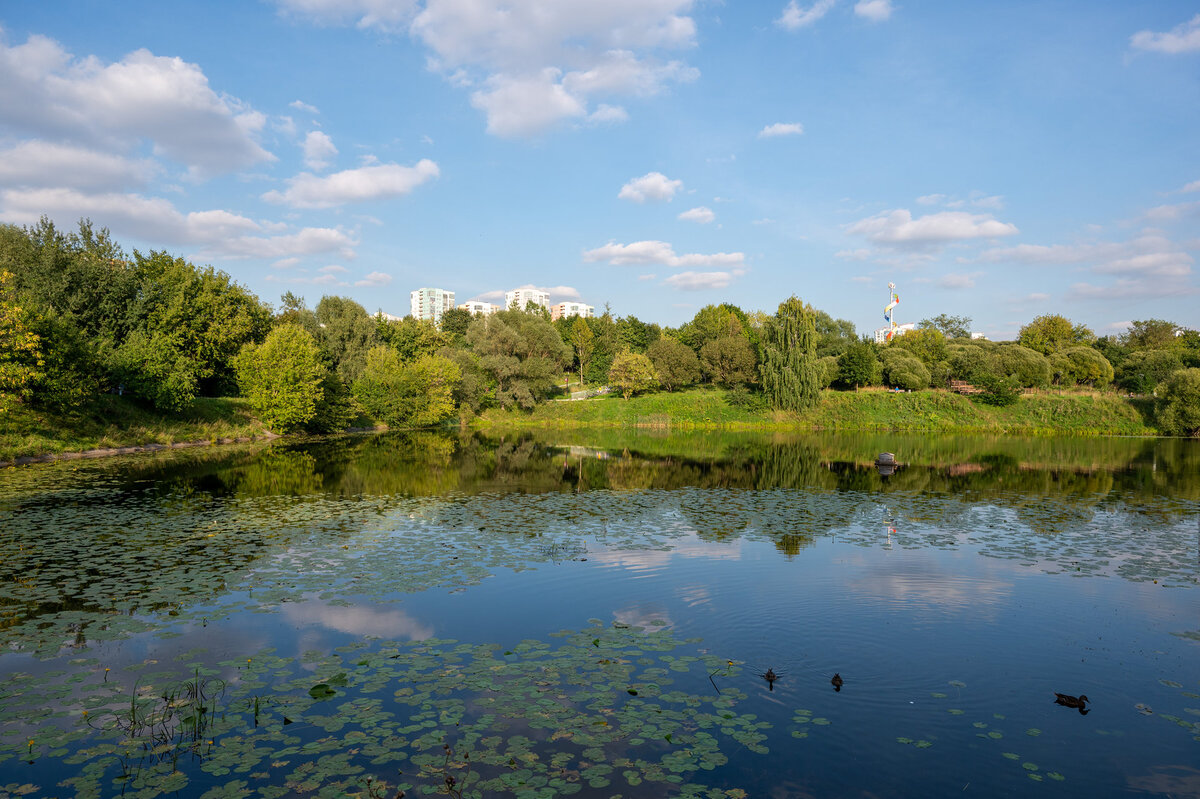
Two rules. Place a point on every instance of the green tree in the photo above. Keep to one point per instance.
(631, 373)
(1028, 367)
(1178, 407)
(791, 373)
(859, 365)
(675, 362)
(1151, 334)
(1050, 333)
(418, 393)
(834, 336)
(636, 335)
(713, 322)
(411, 337)
(20, 347)
(902, 369)
(948, 326)
(728, 360)
(346, 334)
(928, 344)
(521, 353)
(1082, 366)
(282, 377)
(1142, 370)
(583, 340)
(455, 321)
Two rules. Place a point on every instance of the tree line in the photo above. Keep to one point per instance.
(80, 318)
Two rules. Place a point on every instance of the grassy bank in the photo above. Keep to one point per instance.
(1076, 413)
(113, 422)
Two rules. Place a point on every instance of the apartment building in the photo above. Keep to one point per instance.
(571, 309)
(881, 335)
(520, 298)
(430, 304)
(476, 307)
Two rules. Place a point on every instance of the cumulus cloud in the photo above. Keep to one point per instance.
(353, 185)
(45, 164)
(899, 228)
(659, 252)
(795, 17)
(522, 57)
(701, 214)
(48, 93)
(652, 186)
(698, 281)
(781, 129)
(1183, 38)
(300, 105)
(374, 280)
(1148, 254)
(318, 150)
(1172, 213)
(874, 10)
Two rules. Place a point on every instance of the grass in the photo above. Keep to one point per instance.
(1070, 412)
(112, 422)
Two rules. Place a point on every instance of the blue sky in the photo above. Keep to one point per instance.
(994, 160)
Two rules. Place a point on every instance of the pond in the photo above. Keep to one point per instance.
(600, 614)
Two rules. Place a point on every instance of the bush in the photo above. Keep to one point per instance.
(903, 370)
(1142, 370)
(1083, 366)
(419, 393)
(1178, 407)
(631, 373)
(997, 390)
(859, 365)
(282, 377)
(747, 400)
(675, 362)
(1028, 367)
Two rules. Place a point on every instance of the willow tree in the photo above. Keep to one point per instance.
(791, 372)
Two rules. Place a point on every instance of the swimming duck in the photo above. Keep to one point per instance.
(837, 682)
(1070, 701)
(770, 676)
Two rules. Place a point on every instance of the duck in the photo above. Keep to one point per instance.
(1071, 701)
(837, 682)
(770, 676)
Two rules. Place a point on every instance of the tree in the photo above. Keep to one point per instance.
(346, 334)
(1050, 333)
(411, 337)
(859, 365)
(632, 372)
(728, 360)
(1151, 334)
(791, 374)
(20, 347)
(1082, 366)
(455, 321)
(282, 377)
(636, 335)
(948, 326)
(1145, 369)
(1027, 367)
(901, 369)
(583, 340)
(522, 353)
(928, 344)
(418, 393)
(675, 362)
(1178, 407)
(713, 322)
(834, 336)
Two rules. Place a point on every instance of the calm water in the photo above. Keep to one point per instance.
(593, 614)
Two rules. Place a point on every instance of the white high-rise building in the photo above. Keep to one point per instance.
(881, 335)
(519, 298)
(571, 309)
(478, 307)
(430, 304)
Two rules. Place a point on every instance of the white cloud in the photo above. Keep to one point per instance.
(794, 17)
(374, 280)
(861, 254)
(931, 199)
(653, 186)
(608, 114)
(1172, 213)
(898, 228)
(217, 233)
(650, 276)
(959, 281)
(1193, 186)
(659, 252)
(1148, 254)
(701, 214)
(285, 263)
(1183, 38)
(300, 105)
(318, 150)
(45, 164)
(353, 185)
(874, 10)
(992, 203)
(699, 281)
(333, 268)
(526, 105)
(386, 15)
(560, 292)
(781, 129)
(47, 92)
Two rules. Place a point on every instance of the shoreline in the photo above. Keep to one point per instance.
(106, 452)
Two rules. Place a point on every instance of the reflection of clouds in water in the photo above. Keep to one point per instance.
(916, 585)
(358, 620)
(694, 595)
(649, 561)
(1181, 781)
(644, 615)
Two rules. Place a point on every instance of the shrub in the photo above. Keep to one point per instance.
(632, 372)
(1028, 367)
(1084, 366)
(997, 390)
(282, 377)
(859, 365)
(903, 370)
(1178, 407)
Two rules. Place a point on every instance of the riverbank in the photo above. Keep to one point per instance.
(1071, 412)
(114, 425)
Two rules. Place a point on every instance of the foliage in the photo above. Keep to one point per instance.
(713, 322)
(859, 365)
(283, 377)
(1083, 366)
(928, 344)
(834, 336)
(636, 335)
(903, 370)
(583, 340)
(948, 326)
(411, 337)
(728, 360)
(1050, 333)
(346, 334)
(632, 373)
(21, 358)
(522, 353)
(1142, 370)
(73, 374)
(1178, 407)
(336, 408)
(476, 389)
(829, 368)
(675, 362)
(742, 397)
(419, 393)
(455, 321)
(1151, 334)
(970, 361)
(998, 390)
(1028, 367)
(791, 374)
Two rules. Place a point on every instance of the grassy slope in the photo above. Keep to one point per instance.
(1075, 413)
(115, 422)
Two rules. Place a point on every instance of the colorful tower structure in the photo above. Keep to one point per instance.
(893, 301)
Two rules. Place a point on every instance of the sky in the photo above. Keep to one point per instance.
(993, 160)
